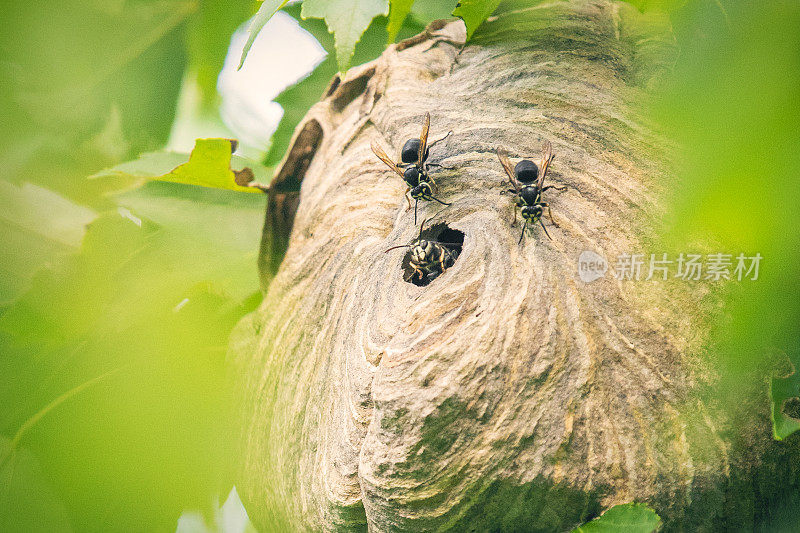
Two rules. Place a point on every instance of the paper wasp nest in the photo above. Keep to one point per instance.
(509, 393)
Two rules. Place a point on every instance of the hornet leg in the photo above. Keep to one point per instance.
(550, 214)
(437, 141)
(437, 165)
(435, 187)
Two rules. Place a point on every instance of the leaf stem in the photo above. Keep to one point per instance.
(33, 420)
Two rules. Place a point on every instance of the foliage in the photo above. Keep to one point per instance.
(400, 9)
(113, 362)
(208, 36)
(265, 12)
(781, 390)
(626, 518)
(209, 165)
(474, 12)
(297, 99)
(92, 85)
(727, 104)
(347, 20)
(38, 227)
(114, 398)
(658, 5)
(26, 491)
(115, 307)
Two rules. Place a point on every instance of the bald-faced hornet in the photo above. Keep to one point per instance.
(529, 194)
(428, 258)
(414, 166)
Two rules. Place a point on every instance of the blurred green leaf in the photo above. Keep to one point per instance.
(148, 165)
(738, 167)
(151, 298)
(86, 87)
(426, 11)
(399, 10)
(208, 38)
(475, 12)
(226, 222)
(625, 518)
(38, 227)
(347, 20)
(27, 501)
(658, 5)
(211, 164)
(265, 12)
(298, 98)
(781, 390)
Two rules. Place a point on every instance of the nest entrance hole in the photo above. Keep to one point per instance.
(453, 241)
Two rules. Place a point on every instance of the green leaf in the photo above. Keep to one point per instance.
(37, 227)
(426, 11)
(27, 501)
(149, 165)
(72, 79)
(475, 12)
(223, 221)
(208, 38)
(152, 296)
(209, 165)
(397, 15)
(695, 110)
(265, 12)
(658, 5)
(781, 390)
(625, 518)
(316, 27)
(347, 20)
